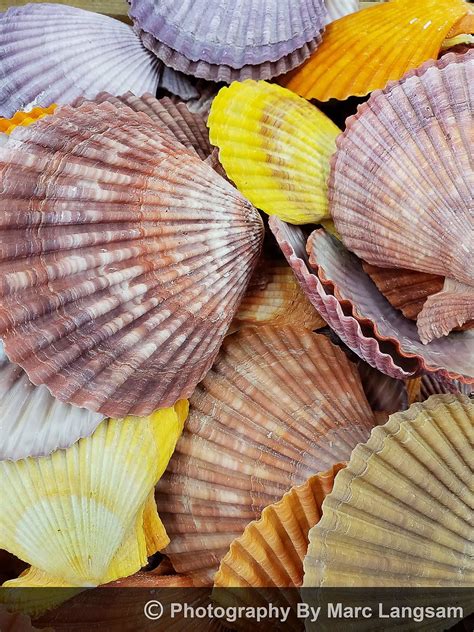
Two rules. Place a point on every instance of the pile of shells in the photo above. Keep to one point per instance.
(195, 394)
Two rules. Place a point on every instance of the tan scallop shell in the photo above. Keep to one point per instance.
(279, 405)
(276, 299)
(401, 192)
(401, 513)
(123, 260)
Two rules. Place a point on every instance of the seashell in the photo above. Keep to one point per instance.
(450, 308)
(85, 516)
(432, 384)
(187, 128)
(44, 60)
(32, 422)
(226, 41)
(400, 513)
(176, 83)
(279, 405)
(24, 118)
(363, 51)
(276, 148)
(271, 550)
(406, 290)
(413, 205)
(351, 304)
(127, 318)
(278, 301)
(339, 8)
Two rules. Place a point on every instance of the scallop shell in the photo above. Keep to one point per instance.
(85, 516)
(32, 422)
(215, 39)
(406, 290)
(339, 8)
(363, 51)
(384, 393)
(400, 514)
(271, 550)
(279, 300)
(276, 148)
(177, 84)
(407, 204)
(129, 317)
(434, 385)
(44, 59)
(24, 118)
(187, 128)
(351, 304)
(450, 308)
(279, 405)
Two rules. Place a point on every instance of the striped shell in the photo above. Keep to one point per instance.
(118, 279)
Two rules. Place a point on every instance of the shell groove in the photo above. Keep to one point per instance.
(279, 405)
(45, 59)
(118, 279)
(401, 513)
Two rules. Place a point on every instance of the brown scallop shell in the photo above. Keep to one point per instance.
(400, 513)
(124, 258)
(279, 405)
(188, 128)
(401, 182)
(451, 308)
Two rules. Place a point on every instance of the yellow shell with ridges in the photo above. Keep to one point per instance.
(25, 118)
(276, 148)
(87, 515)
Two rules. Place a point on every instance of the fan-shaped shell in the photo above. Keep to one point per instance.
(276, 148)
(279, 405)
(451, 308)
(401, 513)
(351, 304)
(54, 53)
(271, 550)
(32, 422)
(85, 516)
(274, 297)
(124, 259)
(186, 127)
(403, 198)
(363, 51)
(213, 39)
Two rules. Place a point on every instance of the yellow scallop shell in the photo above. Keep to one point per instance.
(87, 515)
(363, 51)
(276, 148)
(25, 118)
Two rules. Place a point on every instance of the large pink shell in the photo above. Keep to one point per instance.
(123, 259)
(227, 34)
(279, 405)
(52, 53)
(401, 185)
(352, 305)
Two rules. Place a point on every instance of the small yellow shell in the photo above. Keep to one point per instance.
(276, 148)
(87, 515)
